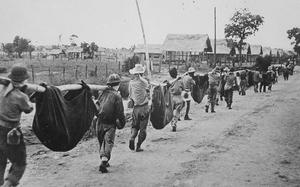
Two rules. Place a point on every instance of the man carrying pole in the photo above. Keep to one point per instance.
(139, 95)
(110, 116)
(213, 82)
(12, 147)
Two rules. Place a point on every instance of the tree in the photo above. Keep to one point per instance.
(294, 34)
(72, 38)
(85, 47)
(8, 48)
(262, 63)
(93, 48)
(89, 49)
(242, 25)
(20, 45)
(30, 49)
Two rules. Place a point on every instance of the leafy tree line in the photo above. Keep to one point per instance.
(89, 49)
(242, 25)
(294, 34)
(19, 46)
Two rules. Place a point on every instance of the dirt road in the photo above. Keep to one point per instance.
(257, 143)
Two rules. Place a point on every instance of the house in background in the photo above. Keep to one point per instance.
(255, 51)
(267, 51)
(276, 55)
(74, 52)
(225, 52)
(52, 54)
(154, 50)
(182, 48)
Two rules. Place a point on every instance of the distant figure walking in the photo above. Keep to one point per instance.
(230, 83)
(264, 82)
(256, 80)
(286, 73)
(188, 83)
(176, 88)
(244, 82)
(213, 83)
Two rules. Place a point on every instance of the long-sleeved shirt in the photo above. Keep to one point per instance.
(138, 91)
(110, 108)
(12, 103)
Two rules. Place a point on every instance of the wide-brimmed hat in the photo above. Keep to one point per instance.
(226, 69)
(191, 70)
(113, 79)
(18, 73)
(138, 68)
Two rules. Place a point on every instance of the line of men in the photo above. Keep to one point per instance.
(110, 116)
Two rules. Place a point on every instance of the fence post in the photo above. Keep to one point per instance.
(160, 65)
(76, 72)
(64, 72)
(32, 73)
(106, 71)
(86, 71)
(49, 75)
(96, 71)
(178, 61)
(119, 67)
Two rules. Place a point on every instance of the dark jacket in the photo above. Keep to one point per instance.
(110, 108)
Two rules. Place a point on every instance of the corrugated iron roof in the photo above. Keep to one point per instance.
(186, 42)
(152, 48)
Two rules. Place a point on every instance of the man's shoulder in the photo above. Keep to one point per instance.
(18, 94)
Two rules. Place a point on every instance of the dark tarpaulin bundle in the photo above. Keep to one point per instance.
(61, 121)
(250, 78)
(199, 89)
(162, 107)
(124, 90)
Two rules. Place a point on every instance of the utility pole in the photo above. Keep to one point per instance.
(215, 46)
(145, 43)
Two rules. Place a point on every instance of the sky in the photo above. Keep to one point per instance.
(115, 23)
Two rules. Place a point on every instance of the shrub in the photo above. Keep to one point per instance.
(262, 63)
(3, 70)
(130, 62)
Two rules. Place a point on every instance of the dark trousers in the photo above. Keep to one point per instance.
(228, 97)
(140, 117)
(106, 137)
(211, 96)
(243, 86)
(286, 76)
(262, 85)
(255, 85)
(16, 154)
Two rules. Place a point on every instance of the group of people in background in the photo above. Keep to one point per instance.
(222, 82)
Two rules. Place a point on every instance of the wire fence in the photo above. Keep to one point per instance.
(60, 72)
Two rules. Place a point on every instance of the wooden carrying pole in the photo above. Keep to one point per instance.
(39, 88)
(145, 43)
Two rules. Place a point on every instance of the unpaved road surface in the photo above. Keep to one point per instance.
(257, 143)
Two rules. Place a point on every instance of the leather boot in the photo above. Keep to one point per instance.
(102, 167)
(186, 117)
(206, 108)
